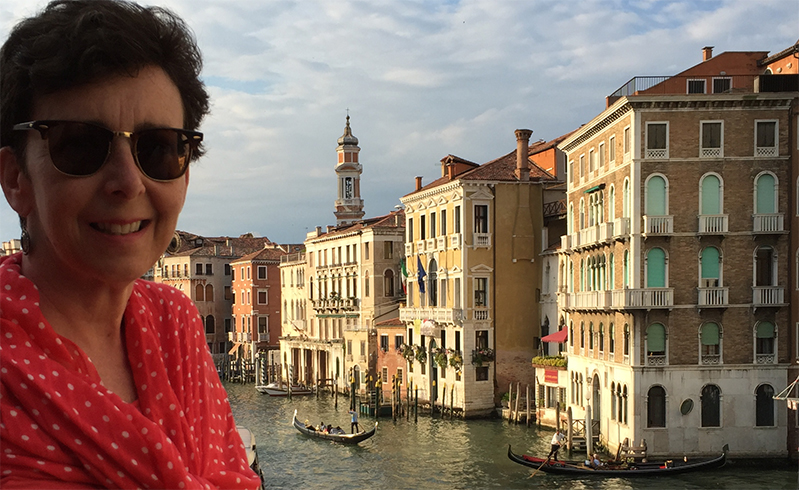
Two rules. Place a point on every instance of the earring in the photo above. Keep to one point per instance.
(25, 237)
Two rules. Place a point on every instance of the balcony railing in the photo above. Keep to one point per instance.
(656, 360)
(452, 316)
(767, 223)
(590, 300)
(589, 235)
(643, 298)
(605, 231)
(263, 337)
(710, 153)
(709, 297)
(455, 240)
(566, 242)
(713, 223)
(658, 225)
(430, 245)
(482, 240)
(420, 246)
(441, 242)
(657, 153)
(408, 249)
(711, 359)
(766, 151)
(764, 359)
(768, 295)
(621, 227)
(480, 314)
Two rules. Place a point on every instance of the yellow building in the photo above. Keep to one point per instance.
(474, 238)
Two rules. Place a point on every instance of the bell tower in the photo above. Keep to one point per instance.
(349, 205)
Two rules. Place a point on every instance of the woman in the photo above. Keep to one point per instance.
(106, 379)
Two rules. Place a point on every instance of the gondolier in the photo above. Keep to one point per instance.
(557, 442)
(354, 422)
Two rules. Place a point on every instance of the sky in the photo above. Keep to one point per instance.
(420, 80)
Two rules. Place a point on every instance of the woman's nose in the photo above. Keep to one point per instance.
(123, 176)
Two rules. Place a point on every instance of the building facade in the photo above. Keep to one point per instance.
(674, 267)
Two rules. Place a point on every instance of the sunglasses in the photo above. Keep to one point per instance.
(80, 149)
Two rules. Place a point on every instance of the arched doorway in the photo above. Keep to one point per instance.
(596, 399)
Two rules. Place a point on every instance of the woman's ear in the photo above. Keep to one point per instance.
(15, 182)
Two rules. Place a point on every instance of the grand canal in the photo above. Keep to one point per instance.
(433, 453)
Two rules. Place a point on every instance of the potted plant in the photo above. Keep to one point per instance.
(479, 356)
(406, 351)
(440, 357)
(456, 360)
(420, 353)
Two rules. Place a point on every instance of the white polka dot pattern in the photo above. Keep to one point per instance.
(60, 424)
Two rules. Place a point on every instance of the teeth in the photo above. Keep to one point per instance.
(116, 229)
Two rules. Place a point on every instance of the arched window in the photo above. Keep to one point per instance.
(710, 267)
(765, 335)
(601, 337)
(710, 338)
(209, 292)
(571, 334)
(624, 404)
(626, 277)
(210, 324)
(710, 201)
(611, 273)
(569, 219)
(626, 199)
(626, 339)
(591, 335)
(656, 268)
(613, 400)
(656, 196)
(582, 274)
(711, 406)
(612, 338)
(656, 340)
(199, 293)
(571, 276)
(765, 193)
(656, 407)
(764, 406)
(582, 335)
(582, 214)
(388, 283)
(612, 203)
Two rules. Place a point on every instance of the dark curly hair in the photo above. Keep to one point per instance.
(75, 42)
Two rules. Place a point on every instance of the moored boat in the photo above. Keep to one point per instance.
(620, 468)
(248, 439)
(343, 438)
(279, 389)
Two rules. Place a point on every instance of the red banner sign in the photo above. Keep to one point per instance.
(551, 376)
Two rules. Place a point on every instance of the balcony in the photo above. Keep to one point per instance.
(589, 300)
(764, 358)
(643, 299)
(430, 244)
(766, 151)
(589, 236)
(408, 249)
(482, 240)
(566, 242)
(621, 227)
(767, 223)
(420, 246)
(455, 240)
(713, 224)
(441, 242)
(658, 225)
(480, 314)
(710, 153)
(605, 231)
(231, 336)
(711, 359)
(768, 296)
(452, 316)
(656, 360)
(263, 337)
(713, 297)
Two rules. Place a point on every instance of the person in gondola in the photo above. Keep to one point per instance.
(354, 422)
(557, 442)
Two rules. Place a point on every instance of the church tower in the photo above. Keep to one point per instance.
(349, 205)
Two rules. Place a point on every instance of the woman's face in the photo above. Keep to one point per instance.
(113, 225)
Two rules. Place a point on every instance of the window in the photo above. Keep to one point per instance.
(209, 269)
(481, 339)
(432, 225)
(481, 218)
(457, 218)
(399, 376)
(591, 335)
(711, 268)
(656, 196)
(398, 340)
(209, 292)
(722, 85)
(242, 298)
(766, 139)
(422, 227)
(388, 250)
(764, 406)
(626, 271)
(627, 144)
(710, 338)
(765, 333)
(656, 340)
(443, 221)
(457, 341)
(625, 204)
(601, 337)
(384, 342)
(710, 200)
(198, 269)
(696, 86)
(262, 272)
(612, 149)
(228, 293)
(582, 335)
(410, 230)
(612, 338)
(712, 139)
(481, 373)
(210, 324)
(228, 269)
(571, 171)
(388, 282)
(602, 155)
(657, 140)
(656, 407)
(765, 267)
(711, 406)
(481, 292)
(656, 268)
(366, 247)
(263, 325)
(199, 293)
(591, 160)
(765, 193)
(366, 284)
(583, 170)
(263, 298)
(363, 348)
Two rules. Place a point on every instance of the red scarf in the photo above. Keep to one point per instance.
(60, 428)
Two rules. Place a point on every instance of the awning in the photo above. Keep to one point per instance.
(594, 189)
(235, 347)
(558, 337)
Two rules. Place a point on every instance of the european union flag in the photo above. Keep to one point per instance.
(421, 273)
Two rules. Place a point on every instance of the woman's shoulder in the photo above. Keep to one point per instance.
(161, 296)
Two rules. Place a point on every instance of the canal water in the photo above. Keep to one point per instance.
(434, 453)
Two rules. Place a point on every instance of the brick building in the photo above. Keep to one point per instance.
(675, 266)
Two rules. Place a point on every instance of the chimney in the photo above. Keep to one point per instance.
(522, 154)
(418, 182)
(707, 53)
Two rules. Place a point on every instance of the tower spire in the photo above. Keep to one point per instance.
(348, 205)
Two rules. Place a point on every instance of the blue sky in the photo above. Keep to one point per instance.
(421, 80)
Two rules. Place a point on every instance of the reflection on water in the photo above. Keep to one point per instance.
(432, 453)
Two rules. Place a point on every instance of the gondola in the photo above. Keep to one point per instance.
(248, 439)
(621, 469)
(279, 389)
(343, 438)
